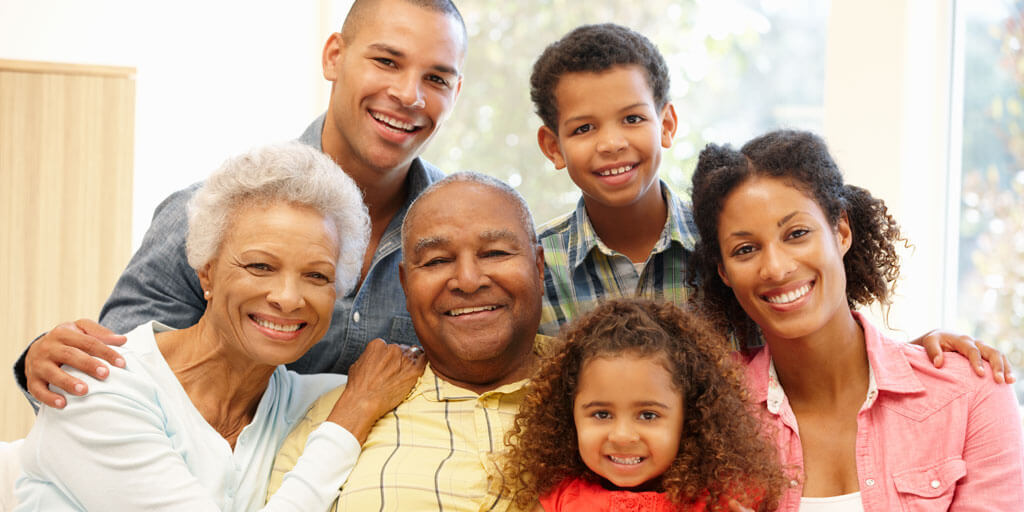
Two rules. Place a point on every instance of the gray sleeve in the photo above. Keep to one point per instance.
(158, 284)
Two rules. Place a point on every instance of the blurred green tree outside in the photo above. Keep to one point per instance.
(991, 258)
(738, 68)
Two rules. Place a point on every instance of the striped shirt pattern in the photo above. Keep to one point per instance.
(435, 451)
(580, 270)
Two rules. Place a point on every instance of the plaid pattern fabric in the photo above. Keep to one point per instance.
(435, 451)
(580, 270)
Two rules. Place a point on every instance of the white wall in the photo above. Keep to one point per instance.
(213, 77)
(887, 113)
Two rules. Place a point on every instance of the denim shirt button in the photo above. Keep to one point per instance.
(870, 482)
(355, 317)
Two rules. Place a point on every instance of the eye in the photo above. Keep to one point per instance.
(438, 80)
(798, 233)
(384, 61)
(634, 119)
(258, 268)
(496, 253)
(649, 415)
(601, 415)
(743, 250)
(433, 262)
(583, 129)
(318, 277)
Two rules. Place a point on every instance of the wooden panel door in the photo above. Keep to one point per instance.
(66, 160)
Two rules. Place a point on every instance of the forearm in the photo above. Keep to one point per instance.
(327, 459)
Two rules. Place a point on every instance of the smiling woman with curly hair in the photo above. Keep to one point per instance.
(640, 403)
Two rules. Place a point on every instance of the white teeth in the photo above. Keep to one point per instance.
(615, 171)
(277, 327)
(626, 460)
(786, 298)
(463, 311)
(392, 122)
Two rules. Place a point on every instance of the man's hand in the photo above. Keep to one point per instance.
(77, 345)
(377, 382)
(937, 341)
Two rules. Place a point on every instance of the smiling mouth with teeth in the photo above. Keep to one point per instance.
(393, 123)
(277, 327)
(616, 171)
(625, 460)
(792, 296)
(465, 311)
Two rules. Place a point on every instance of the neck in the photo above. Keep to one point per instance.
(820, 369)
(480, 379)
(632, 230)
(224, 385)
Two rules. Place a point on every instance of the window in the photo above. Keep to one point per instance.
(738, 68)
(990, 290)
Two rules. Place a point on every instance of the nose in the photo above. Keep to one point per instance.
(776, 263)
(407, 91)
(469, 275)
(286, 295)
(623, 432)
(611, 141)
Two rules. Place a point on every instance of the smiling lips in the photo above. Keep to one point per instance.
(394, 124)
(472, 309)
(789, 297)
(629, 461)
(615, 171)
(275, 330)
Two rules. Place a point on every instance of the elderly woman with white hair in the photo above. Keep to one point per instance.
(194, 419)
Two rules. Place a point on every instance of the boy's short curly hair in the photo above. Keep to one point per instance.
(723, 452)
(803, 160)
(594, 48)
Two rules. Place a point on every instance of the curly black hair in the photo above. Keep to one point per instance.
(723, 452)
(594, 48)
(802, 159)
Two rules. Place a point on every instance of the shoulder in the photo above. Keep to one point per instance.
(557, 227)
(432, 172)
(301, 392)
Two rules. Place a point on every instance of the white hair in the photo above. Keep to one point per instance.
(288, 172)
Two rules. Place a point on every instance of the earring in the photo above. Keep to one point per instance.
(206, 294)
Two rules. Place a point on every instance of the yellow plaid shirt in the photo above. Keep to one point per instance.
(435, 451)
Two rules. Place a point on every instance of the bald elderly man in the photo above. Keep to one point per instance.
(472, 272)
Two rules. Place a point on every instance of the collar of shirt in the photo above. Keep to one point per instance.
(679, 228)
(888, 370)
(435, 389)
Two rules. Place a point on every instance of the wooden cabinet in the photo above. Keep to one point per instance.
(66, 161)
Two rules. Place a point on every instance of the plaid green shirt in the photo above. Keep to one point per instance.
(580, 270)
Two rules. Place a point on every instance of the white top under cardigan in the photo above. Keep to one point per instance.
(136, 442)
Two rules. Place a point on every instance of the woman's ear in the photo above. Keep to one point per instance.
(723, 275)
(844, 233)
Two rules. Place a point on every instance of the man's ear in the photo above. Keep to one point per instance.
(669, 123)
(723, 275)
(547, 139)
(540, 263)
(844, 233)
(333, 49)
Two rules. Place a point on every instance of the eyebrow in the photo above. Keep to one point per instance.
(645, 403)
(497, 235)
(782, 221)
(585, 116)
(428, 242)
(394, 52)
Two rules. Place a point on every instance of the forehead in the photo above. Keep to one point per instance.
(611, 89)
(283, 225)
(409, 28)
(465, 208)
(768, 196)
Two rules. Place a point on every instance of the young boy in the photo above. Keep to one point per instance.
(602, 92)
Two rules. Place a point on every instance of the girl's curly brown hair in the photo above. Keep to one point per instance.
(802, 159)
(722, 454)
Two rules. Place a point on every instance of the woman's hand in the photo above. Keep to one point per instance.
(377, 382)
(938, 340)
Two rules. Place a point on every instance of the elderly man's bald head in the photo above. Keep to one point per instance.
(522, 210)
(363, 9)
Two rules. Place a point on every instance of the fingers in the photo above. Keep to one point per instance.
(933, 347)
(101, 333)
(734, 506)
(67, 344)
(1002, 372)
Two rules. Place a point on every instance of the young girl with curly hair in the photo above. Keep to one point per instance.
(787, 252)
(640, 407)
